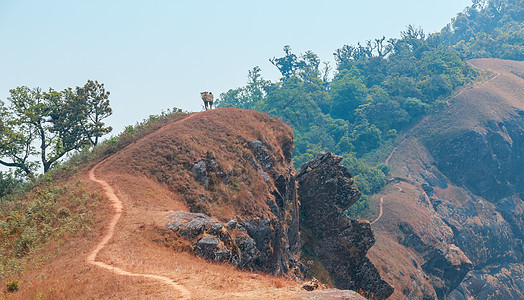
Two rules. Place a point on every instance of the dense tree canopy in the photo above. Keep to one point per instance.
(380, 87)
(487, 28)
(50, 124)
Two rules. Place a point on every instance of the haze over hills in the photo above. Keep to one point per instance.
(401, 178)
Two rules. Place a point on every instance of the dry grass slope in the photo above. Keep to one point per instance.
(150, 176)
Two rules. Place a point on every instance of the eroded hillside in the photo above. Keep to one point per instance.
(452, 215)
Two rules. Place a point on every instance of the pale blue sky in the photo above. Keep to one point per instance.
(154, 55)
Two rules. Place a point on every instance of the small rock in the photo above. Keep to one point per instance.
(232, 224)
(311, 285)
(215, 227)
(206, 246)
(200, 172)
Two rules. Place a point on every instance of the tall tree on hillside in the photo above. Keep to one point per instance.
(50, 124)
(246, 97)
(348, 92)
(309, 67)
(15, 145)
(95, 99)
(286, 64)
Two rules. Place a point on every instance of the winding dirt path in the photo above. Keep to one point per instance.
(118, 208)
(386, 162)
(380, 212)
(465, 89)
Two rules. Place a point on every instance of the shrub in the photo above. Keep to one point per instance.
(45, 212)
(13, 286)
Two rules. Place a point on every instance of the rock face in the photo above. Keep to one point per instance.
(445, 266)
(489, 163)
(341, 244)
(268, 242)
(492, 166)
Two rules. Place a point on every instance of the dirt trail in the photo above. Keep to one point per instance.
(381, 206)
(465, 89)
(118, 208)
(380, 212)
(404, 137)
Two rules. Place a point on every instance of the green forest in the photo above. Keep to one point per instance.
(379, 88)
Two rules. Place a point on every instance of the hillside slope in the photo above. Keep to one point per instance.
(226, 163)
(452, 223)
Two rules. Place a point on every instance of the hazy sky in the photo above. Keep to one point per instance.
(154, 55)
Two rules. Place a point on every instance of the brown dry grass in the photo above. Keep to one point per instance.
(151, 178)
(167, 155)
(58, 270)
(494, 99)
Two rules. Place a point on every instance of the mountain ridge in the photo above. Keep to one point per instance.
(448, 199)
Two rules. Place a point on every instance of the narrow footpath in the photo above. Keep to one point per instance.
(118, 208)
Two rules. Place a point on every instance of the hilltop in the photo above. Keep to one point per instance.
(222, 167)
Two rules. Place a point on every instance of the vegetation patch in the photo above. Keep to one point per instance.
(47, 211)
(13, 286)
(380, 88)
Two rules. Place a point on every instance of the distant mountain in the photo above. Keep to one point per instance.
(452, 224)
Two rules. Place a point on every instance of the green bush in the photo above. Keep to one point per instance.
(13, 286)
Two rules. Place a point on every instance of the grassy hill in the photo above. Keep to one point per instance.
(48, 230)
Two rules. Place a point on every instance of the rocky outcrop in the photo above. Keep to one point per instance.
(341, 244)
(445, 265)
(269, 241)
(446, 269)
(487, 163)
(213, 240)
